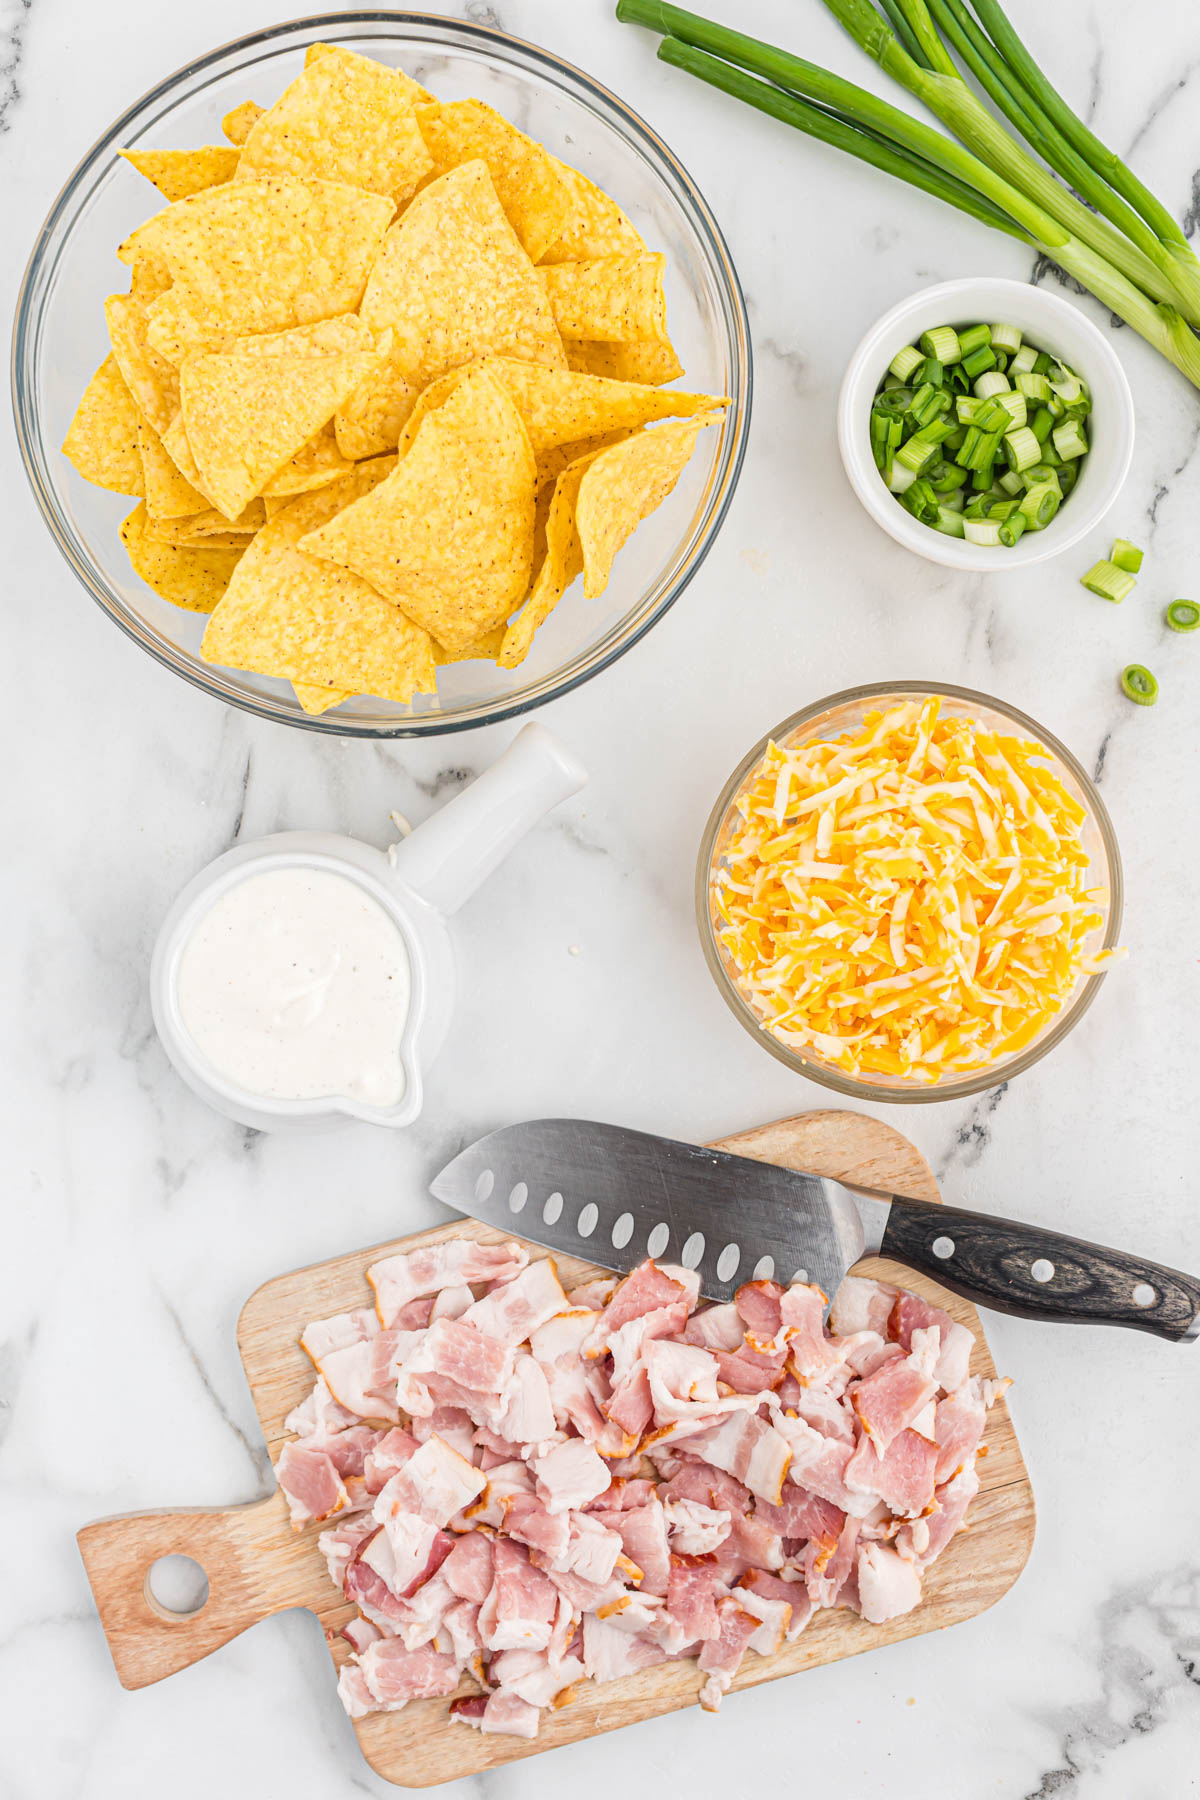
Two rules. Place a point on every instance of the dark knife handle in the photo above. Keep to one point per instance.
(993, 1261)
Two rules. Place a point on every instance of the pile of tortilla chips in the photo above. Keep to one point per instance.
(387, 379)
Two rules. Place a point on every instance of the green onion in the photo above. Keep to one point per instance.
(905, 362)
(1110, 583)
(1006, 337)
(1069, 439)
(1034, 387)
(916, 455)
(975, 337)
(1068, 475)
(1012, 483)
(932, 371)
(927, 403)
(1012, 528)
(1127, 556)
(985, 532)
(949, 522)
(977, 362)
(992, 382)
(942, 343)
(945, 477)
(1022, 363)
(969, 409)
(1139, 685)
(1042, 424)
(1022, 449)
(1183, 615)
(1040, 505)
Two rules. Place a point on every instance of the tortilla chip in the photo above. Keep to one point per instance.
(318, 699)
(209, 529)
(560, 407)
(623, 485)
(562, 562)
(258, 256)
(551, 463)
(484, 649)
(649, 363)
(167, 531)
(151, 380)
(169, 495)
(238, 124)
(345, 118)
(148, 278)
(315, 465)
(178, 173)
(449, 535)
(246, 411)
(310, 621)
(102, 439)
(613, 299)
(412, 88)
(370, 421)
(595, 226)
(525, 176)
(194, 579)
(453, 282)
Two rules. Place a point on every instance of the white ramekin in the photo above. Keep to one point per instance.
(1054, 325)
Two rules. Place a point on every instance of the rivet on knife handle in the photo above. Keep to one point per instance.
(1038, 1274)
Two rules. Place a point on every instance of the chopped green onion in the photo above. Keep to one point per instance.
(931, 371)
(1110, 583)
(970, 444)
(1022, 449)
(1183, 615)
(1040, 505)
(974, 337)
(1069, 439)
(921, 502)
(1012, 528)
(950, 522)
(1069, 389)
(945, 477)
(979, 361)
(927, 403)
(894, 400)
(1068, 475)
(905, 362)
(1042, 424)
(1022, 363)
(901, 477)
(969, 409)
(1139, 685)
(1042, 364)
(941, 342)
(1006, 337)
(985, 532)
(1034, 387)
(1127, 556)
(936, 432)
(1012, 483)
(992, 382)
(915, 455)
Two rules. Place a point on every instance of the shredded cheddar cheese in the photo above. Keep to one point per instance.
(910, 900)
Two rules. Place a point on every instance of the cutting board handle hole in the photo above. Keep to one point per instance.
(176, 1587)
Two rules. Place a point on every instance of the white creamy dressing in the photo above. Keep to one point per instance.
(296, 984)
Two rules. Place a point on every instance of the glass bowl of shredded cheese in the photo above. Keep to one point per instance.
(909, 892)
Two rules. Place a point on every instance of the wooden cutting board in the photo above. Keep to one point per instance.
(256, 1565)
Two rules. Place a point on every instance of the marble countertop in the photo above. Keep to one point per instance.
(136, 1222)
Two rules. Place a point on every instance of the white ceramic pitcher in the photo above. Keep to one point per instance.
(419, 883)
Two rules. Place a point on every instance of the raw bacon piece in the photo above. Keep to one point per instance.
(557, 1347)
(801, 1515)
(318, 1414)
(339, 1333)
(449, 1303)
(394, 1675)
(802, 1316)
(889, 1401)
(468, 1567)
(887, 1585)
(609, 1653)
(509, 1716)
(339, 1543)
(399, 1279)
(354, 1693)
(695, 1529)
(861, 1305)
(594, 1295)
(923, 1540)
(534, 1675)
(509, 1313)
(749, 1545)
(349, 1372)
(903, 1478)
(750, 1371)
(715, 1327)
(358, 1633)
(819, 1464)
(434, 1484)
(630, 1407)
(591, 1550)
(759, 1306)
(525, 1413)
(958, 1427)
(775, 1616)
(569, 1475)
(643, 1534)
(828, 1561)
(791, 1593)
(644, 1290)
(749, 1448)
(721, 1656)
(526, 1519)
(387, 1456)
(310, 1484)
(692, 1596)
(519, 1611)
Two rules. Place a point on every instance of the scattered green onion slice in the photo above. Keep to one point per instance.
(960, 445)
(1183, 615)
(1139, 685)
(1127, 556)
(1104, 578)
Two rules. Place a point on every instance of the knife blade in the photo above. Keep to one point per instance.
(613, 1196)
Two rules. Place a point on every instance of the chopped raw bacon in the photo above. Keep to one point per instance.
(399, 1279)
(720, 1657)
(585, 1485)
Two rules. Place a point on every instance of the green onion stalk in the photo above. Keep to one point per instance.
(1002, 186)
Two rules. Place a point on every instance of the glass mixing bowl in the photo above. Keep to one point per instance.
(844, 712)
(60, 338)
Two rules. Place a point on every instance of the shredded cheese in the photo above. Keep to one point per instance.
(910, 900)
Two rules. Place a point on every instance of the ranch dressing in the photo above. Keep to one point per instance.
(296, 984)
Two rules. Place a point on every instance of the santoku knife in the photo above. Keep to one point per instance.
(613, 1196)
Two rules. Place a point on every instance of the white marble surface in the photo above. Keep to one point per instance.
(135, 1222)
